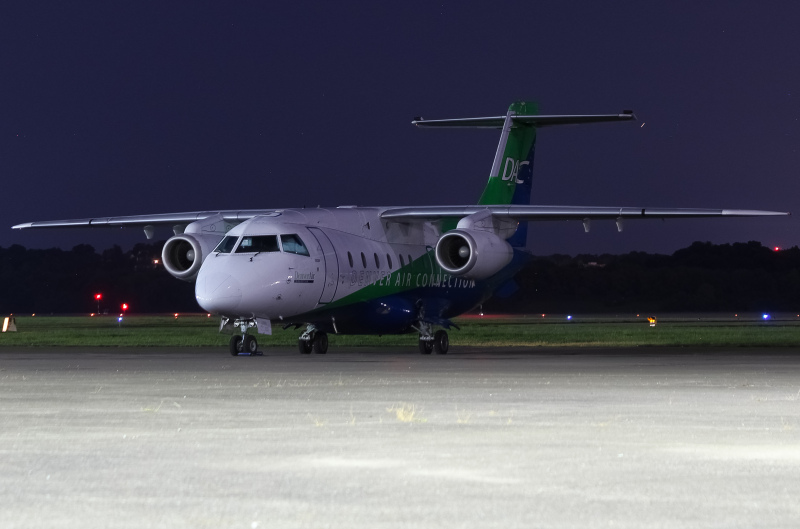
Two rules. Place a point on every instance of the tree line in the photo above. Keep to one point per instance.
(736, 277)
(66, 281)
(739, 277)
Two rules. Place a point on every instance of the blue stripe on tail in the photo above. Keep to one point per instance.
(522, 196)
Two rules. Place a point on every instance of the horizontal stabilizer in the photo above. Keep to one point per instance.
(496, 122)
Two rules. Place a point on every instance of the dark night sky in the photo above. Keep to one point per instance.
(140, 107)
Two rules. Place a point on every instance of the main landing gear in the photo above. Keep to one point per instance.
(246, 343)
(313, 340)
(429, 341)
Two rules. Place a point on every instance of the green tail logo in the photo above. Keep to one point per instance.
(514, 155)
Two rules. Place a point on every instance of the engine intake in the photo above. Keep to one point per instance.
(182, 256)
(472, 254)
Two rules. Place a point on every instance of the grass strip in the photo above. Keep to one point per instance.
(596, 331)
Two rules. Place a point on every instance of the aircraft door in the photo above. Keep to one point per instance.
(331, 265)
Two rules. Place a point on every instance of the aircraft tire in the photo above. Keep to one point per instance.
(235, 345)
(441, 343)
(425, 347)
(304, 346)
(320, 343)
(250, 344)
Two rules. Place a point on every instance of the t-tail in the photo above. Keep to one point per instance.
(511, 176)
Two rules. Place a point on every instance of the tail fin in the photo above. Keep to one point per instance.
(513, 161)
(511, 177)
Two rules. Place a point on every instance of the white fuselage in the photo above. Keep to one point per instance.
(347, 249)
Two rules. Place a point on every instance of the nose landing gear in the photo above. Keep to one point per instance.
(246, 343)
(313, 340)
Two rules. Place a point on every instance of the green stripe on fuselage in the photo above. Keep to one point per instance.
(423, 272)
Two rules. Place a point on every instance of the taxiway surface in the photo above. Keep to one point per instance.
(358, 438)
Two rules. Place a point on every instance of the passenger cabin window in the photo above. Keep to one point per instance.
(293, 244)
(363, 260)
(226, 244)
(350, 258)
(258, 243)
(389, 260)
(377, 262)
(402, 263)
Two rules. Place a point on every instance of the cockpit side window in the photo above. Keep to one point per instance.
(226, 244)
(258, 244)
(293, 244)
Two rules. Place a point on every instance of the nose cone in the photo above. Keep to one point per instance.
(217, 291)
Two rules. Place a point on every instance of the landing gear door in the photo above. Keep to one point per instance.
(331, 265)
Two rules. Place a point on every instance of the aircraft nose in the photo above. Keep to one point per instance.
(218, 292)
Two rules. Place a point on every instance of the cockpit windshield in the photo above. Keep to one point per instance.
(226, 244)
(258, 243)
(293, 244)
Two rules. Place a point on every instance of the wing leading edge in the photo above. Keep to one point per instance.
(159, 219)
(543, 213)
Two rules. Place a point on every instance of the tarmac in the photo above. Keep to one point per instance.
(365, 438)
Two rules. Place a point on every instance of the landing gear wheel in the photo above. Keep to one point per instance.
(441, 343)
(235, 345)
(426, 346)
(320, 343)
(250, 344)
(304, 346)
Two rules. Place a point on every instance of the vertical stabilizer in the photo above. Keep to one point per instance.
(513, 159)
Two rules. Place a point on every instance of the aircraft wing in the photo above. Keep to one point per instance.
(160, 219)
(541, 213)
(416, 214)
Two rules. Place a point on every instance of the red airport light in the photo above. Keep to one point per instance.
(124, 306)
(98, 297)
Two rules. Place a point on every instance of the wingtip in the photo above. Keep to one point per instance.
(22, 226)
(754, 213)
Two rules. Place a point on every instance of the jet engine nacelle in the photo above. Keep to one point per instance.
(472, 254)
(183, 254)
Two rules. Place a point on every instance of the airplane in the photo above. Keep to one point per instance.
(374, 270)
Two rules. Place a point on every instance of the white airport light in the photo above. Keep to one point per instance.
(765, 316)
(9, 324)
